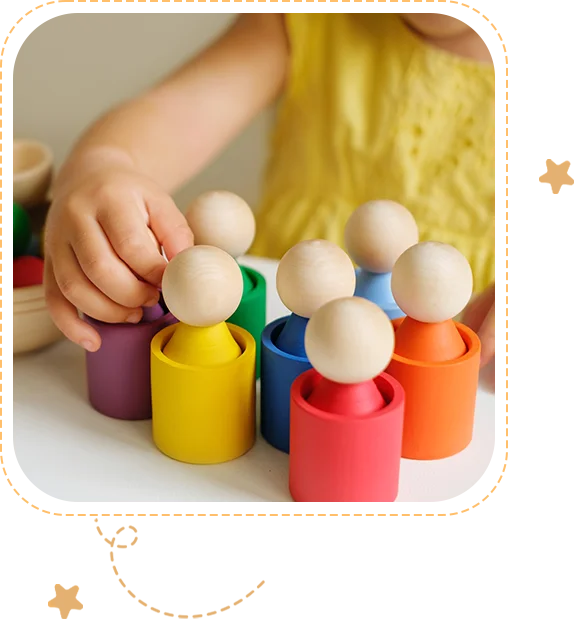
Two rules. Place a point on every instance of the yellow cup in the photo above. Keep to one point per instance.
(203, 415)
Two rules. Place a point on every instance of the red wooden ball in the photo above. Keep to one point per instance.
(28, 271)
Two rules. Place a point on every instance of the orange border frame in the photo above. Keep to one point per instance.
(53, 546)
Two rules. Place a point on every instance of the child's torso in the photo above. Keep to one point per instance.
(372, 112)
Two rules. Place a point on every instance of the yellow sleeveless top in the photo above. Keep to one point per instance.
(371, 111)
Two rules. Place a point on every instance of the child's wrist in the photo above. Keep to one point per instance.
(91, 159)
(87, 161)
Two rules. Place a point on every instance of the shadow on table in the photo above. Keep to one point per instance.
(54, 382)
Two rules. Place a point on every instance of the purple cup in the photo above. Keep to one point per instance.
(119, 382)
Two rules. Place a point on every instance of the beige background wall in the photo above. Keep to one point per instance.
(73, 68)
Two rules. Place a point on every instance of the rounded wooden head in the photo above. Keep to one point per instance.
(313, 273)
(202, 286)
(432, 282)
(349, 340)
(378, 232)
(222, 219)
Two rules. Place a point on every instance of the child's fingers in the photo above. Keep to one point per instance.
(65, 315)
(81, 293)
(486, 334)
(476, 311)
(129, 235)
(488, 376)
(107, 272)
(169, 225)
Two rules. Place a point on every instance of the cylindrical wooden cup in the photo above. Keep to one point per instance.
(440, 400)
(203, 415)
(345, 458)
(119, 372)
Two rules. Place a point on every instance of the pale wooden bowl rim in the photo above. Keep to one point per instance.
(27, 294)
(46, 162)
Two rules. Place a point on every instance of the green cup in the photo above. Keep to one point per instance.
(22, 230)
(252, 312)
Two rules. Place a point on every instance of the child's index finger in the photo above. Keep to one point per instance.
(169, 226)
(135, 243)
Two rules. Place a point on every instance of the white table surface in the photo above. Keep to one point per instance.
(73, 453)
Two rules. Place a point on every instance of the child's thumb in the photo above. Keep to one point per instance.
(169, 225)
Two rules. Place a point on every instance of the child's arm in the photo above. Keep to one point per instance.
(172, 131)
(116, 182)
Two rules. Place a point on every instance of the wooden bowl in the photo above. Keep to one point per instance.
(33, 326)
(33, 166)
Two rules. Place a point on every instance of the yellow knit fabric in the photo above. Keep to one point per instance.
(373, 112)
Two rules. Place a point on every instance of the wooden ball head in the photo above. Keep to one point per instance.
(378, 232)
(202, 369)
(346, 414)
(349, 340)
(432, 283)
(222, 219)
(309, 275)
(202, 287)
(436, 360)
(313, 273)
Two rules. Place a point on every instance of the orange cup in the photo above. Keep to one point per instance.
(440, 400)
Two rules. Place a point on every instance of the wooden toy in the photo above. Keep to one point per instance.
(202, 369)
(309, 275)
(346, 414)
(22, 232)
(224, 220)
(119, 379)
(33, 163)
(119, 372)
(33, 326)
(376, 234)
(436, 360)
(28, 271)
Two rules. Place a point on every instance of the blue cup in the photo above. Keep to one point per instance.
(376, 287)
(278, 371)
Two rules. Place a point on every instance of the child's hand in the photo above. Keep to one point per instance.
(479, 316)
(101, 258)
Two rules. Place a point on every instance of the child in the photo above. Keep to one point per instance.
(373, 106)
